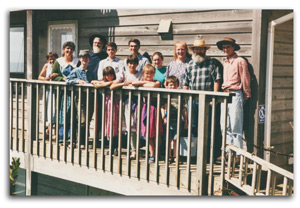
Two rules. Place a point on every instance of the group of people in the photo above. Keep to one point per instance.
(193, 72)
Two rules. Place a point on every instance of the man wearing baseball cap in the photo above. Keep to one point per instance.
(236, 79)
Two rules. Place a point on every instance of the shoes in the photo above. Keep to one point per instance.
(151, 159)
(82, 146)
(114, 154)
(133, 155)
(171, 159)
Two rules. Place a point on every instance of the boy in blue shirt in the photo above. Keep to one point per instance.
(78, 76)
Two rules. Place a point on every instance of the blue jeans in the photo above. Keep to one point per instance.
(234, 129)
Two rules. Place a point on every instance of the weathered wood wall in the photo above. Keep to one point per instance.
(282, 97)
(121, 25)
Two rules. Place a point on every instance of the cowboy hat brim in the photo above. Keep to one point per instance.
(205, 46)
(222, 42)
(92, 37)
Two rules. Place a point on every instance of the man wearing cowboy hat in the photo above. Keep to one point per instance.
(202, 73)
(98, 42)
(237, 80)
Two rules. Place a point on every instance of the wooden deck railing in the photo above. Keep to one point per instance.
(249, 176)
(28, 124)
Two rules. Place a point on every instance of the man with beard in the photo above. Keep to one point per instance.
(202, 73)
(97, 41)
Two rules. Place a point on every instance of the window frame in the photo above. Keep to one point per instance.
(72, 24)
(18, 74)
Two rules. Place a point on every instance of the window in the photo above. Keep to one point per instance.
(16, 50)
(59, 33)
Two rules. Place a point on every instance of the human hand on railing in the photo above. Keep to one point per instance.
(53, 75)
(47, 78)
(127, 83)
(81, 82)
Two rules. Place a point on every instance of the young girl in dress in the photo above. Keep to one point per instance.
(46, 75)
(130, 76)
(109, 77)
(148, 74)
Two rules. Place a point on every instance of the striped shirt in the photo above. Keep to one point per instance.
(202, 75)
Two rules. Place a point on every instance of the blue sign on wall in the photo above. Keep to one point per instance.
(261, 114)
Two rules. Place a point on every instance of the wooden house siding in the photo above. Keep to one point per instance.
(187, 25)
(282, 98)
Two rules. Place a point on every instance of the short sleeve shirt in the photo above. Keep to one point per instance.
(203, 75)
(177, 69)
(142, 62)
(116, 64)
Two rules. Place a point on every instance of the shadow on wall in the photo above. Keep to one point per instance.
(104, 23)
(249, 110)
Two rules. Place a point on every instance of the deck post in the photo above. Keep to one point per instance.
(30, 18)
(202, 145)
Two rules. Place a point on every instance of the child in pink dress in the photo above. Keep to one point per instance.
(109, 76)
(148, 74)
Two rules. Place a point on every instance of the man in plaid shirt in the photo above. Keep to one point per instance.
(203, 73)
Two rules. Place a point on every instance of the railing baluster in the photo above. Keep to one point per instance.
(96, 131)
(23, 117)
(290, 187)
(65, 123)
(229, 164)
(284, 186)
(188, 163)
(50, 132)
(79, 125)
(56, 121)
(11, 102)
(245, 171)
(273, 184)
(254, 178)
(157, 139)
(120, 137)
(212, 140)
(111, 131)
(167, 139)
(203, 111)
(87, 125)
(268, 185)
(103, 130)
(37, 115)
(138, 133)
(128, 134)
(241, 171)
(72, 143)
(147, 136)
(258, 179)
(44, 102)
(17, 119)
(223, 150)
(177, 176)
